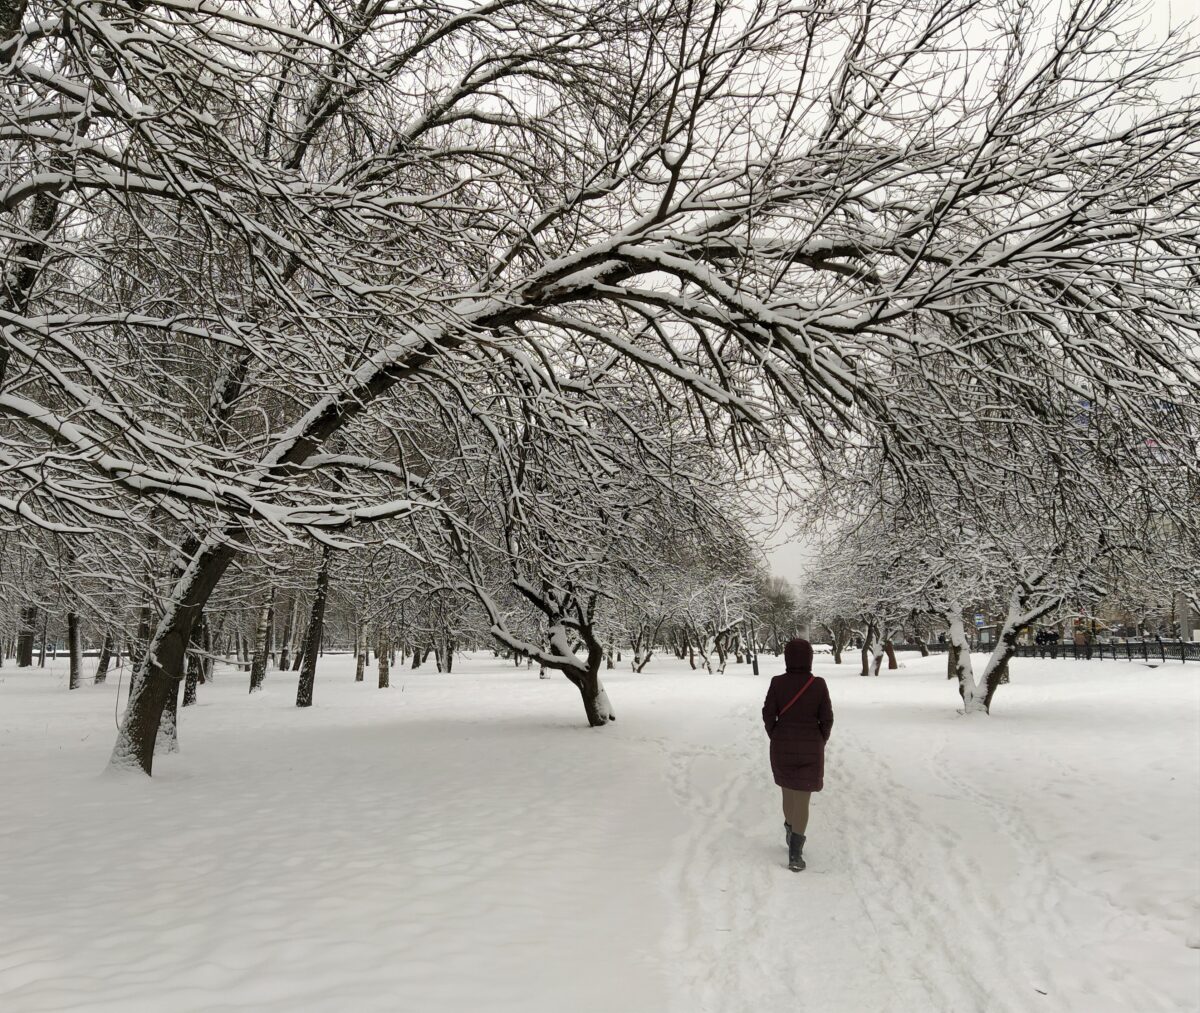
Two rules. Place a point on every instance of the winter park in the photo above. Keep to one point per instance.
(616, 506)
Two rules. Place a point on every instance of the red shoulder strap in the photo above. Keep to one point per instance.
(796, 697)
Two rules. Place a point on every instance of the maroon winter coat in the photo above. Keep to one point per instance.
(798, 737)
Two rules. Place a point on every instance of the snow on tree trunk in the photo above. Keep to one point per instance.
(167, 740)
(360, 660)
(75, 649)
(258, 667)
(382, 654)
(596, 704)
(960, 649)
(877, 656)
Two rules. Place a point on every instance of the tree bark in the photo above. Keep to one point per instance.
(312, 641)
(195, 666)
(360, 662)
(102, 663)
(298, 660)
(167, 740)
(26, 636)
(586, 678)
(285, 641)
(207, 640)
(382, 655)
(75, 649)
(160, 670)
(262, 632)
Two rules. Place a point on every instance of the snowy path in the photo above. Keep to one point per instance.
(931, 886)
(460, 843)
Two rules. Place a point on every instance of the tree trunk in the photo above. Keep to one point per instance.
(42, 650)
(167, 740)
(298, 659)
(890, 650)
(207, 641)
(960, 654)
(142, 636)
(360, 662)
(156, 679)
(285, 641)
(877, 655)
(382, 655)
(195, 663)
(75, 649)
(312, 642)
(102, 663)
(194, 667)
(591, 690)
(262, 632)
(640, 660)
(26, 635)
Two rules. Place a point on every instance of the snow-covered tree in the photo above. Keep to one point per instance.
(777, 211)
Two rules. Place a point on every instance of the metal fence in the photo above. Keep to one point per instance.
(1129, 650)
(1126, 650)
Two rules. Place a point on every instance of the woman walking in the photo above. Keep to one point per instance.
(798, 716)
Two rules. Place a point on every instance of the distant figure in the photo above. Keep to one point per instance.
(798, 716)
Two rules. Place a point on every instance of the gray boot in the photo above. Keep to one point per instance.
(796, 852)
(787, 833)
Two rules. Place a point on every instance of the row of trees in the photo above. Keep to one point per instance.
(501, 293)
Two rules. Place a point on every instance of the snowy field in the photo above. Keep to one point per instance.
(460, 842)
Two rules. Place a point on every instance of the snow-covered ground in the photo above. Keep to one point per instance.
(460, 842)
